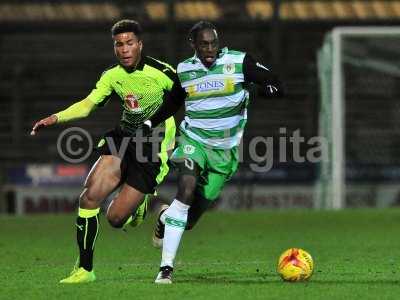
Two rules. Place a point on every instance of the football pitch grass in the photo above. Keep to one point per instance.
(229, 255)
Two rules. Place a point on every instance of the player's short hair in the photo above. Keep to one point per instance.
(199, 26)
(127, 26)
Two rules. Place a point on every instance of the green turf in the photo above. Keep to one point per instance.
(227, 256)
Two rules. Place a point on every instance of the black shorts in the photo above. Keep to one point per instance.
(140, 164)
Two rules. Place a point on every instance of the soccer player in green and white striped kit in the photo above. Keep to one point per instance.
(207, 153)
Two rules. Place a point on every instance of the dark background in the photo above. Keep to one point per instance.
(53, 52)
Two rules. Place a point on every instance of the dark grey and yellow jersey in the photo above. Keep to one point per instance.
(142, 91)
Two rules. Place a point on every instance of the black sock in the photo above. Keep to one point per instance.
(86, 234)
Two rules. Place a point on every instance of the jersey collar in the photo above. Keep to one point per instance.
(221, 53)
(139, 66)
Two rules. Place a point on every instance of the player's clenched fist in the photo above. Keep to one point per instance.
(51, 120)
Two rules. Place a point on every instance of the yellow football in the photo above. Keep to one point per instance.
(295, 264)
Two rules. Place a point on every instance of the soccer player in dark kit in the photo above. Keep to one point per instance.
(143, 84)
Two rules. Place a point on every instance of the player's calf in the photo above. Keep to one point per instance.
(120, 209)
(158, 234)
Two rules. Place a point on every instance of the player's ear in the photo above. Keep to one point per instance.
(140, 45)
(192, 45)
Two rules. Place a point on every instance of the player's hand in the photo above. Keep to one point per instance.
(51, 120)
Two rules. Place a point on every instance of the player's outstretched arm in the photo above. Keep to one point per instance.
(76, 111)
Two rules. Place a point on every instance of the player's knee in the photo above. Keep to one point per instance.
(107, 160)
(185, 195)
(212, 194)
(116, 220)
(87, 201)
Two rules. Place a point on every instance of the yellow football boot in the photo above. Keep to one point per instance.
(80, 276)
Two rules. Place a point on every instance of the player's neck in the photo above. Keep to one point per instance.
(135, 66)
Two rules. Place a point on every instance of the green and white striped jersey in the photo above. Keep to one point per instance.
(216, 99)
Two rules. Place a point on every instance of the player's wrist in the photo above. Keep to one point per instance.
(55, 118)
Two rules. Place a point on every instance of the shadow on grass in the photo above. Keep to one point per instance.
(356, 281)
(228, 278)
(207, 278)
(261, 280)
(245, 278)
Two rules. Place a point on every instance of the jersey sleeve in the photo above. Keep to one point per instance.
(100, 94)
(255, 72)
(175, 90)
(174, 97)
(76, 111)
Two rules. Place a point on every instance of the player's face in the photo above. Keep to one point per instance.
(206, 46)
(127, 48)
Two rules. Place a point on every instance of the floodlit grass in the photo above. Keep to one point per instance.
(227, 256)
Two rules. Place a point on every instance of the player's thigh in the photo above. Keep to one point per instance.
(211, 184)
(103, 178)
(124, 204)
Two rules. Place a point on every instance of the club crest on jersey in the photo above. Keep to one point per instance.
(132, 102)
(189, 149)
(228, 68)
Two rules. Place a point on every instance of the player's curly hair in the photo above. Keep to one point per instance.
(199, 26)
(127, 26)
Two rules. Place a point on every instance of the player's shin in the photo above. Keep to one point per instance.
(175, 222)
(87, 224)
